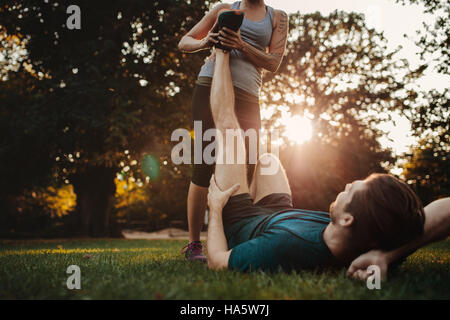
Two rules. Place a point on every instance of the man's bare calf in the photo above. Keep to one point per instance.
(222, 109)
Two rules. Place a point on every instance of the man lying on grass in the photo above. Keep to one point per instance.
(256, 228)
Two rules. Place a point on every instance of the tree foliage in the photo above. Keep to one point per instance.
(428, 169)
(430, 117)
(96, 75)
(83, 105)
(433, 114)
(116, 84)
(338, 73)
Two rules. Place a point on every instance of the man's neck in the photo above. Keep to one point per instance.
(336, 243)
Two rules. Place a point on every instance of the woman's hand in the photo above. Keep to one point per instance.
(201, 37)
(358, 268)
(209, 40)
(218, 198)
(231, 39)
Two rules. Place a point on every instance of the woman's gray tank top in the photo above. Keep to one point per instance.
(245, 74)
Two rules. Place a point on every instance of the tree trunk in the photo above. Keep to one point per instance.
(95, 189)
(8, 215)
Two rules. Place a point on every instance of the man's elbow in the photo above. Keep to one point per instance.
(216, 263)
(211, 264)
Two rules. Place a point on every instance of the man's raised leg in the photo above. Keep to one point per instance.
(222, 109)
(226, 175)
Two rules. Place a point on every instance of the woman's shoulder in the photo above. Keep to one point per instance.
(278, 15)
(221, 6)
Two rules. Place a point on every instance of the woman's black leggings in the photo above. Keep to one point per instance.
(247, 113)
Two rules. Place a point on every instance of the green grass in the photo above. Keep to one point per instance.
(149, 269)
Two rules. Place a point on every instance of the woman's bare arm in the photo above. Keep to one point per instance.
(200, 36)
(270, 60)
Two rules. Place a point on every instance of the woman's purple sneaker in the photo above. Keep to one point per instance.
(193, 251)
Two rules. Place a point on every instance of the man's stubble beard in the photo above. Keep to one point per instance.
(332, 217)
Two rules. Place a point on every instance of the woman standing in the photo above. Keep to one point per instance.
(259, 44)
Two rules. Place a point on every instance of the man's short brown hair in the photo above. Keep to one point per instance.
(387, 213)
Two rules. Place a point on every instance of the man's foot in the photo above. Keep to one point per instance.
(232, 19)
(193, 251)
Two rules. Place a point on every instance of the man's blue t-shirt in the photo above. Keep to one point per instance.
(291, 239)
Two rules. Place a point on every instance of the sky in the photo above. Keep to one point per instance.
(394, 20)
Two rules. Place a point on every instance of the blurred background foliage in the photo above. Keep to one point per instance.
(86, 115)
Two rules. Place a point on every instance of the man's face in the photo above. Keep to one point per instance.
(344, 198)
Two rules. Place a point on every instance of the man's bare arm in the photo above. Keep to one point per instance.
(218, 253)
(436, 228)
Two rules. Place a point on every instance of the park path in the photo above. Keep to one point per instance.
(164, 234)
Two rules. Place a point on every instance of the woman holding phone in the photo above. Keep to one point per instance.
(258, 44)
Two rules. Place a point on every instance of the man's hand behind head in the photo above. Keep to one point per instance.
(359, 266)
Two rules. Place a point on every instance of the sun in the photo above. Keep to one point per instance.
(298, 129)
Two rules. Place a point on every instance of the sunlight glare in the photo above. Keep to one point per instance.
(298, 129)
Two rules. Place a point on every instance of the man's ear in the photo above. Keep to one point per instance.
(346, 220)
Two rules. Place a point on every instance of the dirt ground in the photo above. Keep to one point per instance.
(168, 233)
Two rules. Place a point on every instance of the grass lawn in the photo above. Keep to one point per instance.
(154, 269)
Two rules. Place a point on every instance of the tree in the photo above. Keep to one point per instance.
(427, 169)
(434, 39)
(118, 84)
(430, 116)
(338, 73)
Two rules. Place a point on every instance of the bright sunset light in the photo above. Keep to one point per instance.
(298, 129)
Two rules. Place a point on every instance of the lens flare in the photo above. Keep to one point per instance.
(150, 166)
